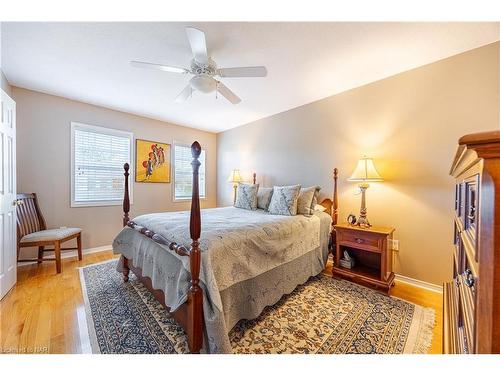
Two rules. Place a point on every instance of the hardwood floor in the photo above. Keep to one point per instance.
(44, 312)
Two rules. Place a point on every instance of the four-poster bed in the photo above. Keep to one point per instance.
(189, 311)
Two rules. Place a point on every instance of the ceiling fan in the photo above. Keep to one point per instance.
(204, 70)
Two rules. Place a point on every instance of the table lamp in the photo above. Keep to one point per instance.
(235, 178)
(365, 172)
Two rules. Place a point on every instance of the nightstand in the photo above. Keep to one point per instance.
(369, 248)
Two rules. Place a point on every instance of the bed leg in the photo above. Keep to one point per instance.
(195, 323)
(195, 302)
(125, 270)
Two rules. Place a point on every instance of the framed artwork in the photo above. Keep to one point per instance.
(152, 161)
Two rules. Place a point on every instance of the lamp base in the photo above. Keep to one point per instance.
(363, 221)
(235, 187)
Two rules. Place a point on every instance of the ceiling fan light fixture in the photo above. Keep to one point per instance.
(204, 83)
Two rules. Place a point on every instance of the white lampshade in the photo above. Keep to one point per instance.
(235, 176)
(365, 171)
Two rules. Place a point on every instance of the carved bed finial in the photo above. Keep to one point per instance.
(196, 149)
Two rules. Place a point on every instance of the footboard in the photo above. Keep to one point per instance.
(190, 315)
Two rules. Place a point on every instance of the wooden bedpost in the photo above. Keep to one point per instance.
(195, 294)
(126, 199)
(126, 209)
(254, 177)
(335, 205)
(335, 214)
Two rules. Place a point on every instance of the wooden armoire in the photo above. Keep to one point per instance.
(471, 319)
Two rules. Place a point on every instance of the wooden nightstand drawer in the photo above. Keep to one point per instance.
(360, 240)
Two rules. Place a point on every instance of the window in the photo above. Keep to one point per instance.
(183, 172)
(97, 158)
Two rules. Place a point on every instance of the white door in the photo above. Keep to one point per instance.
(8, 231)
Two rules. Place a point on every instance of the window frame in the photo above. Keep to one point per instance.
(188, 145)
(100, 130)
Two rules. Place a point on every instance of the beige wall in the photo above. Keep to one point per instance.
(4, 84)
(43, 162)
(409, 123)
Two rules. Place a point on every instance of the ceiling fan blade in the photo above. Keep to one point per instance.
(165, 68)
(198, 44)
(244, 71)
(228, 94)
(184, 95)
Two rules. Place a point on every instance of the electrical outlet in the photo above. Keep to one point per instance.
(393, 244)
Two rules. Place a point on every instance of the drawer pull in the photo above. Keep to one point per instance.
(359, 240)
(469, 279)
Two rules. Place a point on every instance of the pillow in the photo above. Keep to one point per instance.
(264, 197)
(319, 207)
(305, 204)
(284, 200)
(316, 195)
(246, 196)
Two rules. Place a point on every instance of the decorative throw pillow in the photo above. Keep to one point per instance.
(246, 196)
(264, 197)
(305, 200)
(315, 198)
(284, 200)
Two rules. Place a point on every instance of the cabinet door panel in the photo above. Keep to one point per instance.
(472, 210)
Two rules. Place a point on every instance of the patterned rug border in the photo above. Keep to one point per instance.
(420, 334)
(91, 334)
(422, 327)
(90, 328)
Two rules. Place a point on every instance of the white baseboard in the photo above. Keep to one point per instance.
(419, 283)
(74, 253)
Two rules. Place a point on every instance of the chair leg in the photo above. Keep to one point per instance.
(40, 254)
(57, 253)
(79, 245)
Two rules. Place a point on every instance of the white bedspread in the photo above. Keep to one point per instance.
(236, 245)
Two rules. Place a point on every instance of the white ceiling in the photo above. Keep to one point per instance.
(89, 62)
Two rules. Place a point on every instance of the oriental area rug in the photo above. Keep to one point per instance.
(323, 316)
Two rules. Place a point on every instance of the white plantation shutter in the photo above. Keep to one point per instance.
(98, 155)
(183, 172)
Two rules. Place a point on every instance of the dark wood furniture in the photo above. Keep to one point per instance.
(373, 257)
(190, 314)
(32, 232)
(471, 301)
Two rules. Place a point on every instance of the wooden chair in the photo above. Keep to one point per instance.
(32, 232)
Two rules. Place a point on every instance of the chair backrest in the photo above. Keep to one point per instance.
(29, 216)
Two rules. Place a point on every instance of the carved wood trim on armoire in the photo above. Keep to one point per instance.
(471, 301)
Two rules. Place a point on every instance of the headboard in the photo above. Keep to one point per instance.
(332, 206)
